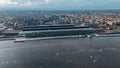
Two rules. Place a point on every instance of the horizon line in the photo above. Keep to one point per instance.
(62, 10)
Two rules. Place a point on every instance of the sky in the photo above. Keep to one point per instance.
(58, 4)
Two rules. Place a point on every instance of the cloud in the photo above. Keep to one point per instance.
(59, 4)
(23, 2)
(6, 2)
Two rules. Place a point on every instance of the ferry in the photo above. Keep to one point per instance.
(24, 39)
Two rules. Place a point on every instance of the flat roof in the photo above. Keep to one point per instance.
(57, 30)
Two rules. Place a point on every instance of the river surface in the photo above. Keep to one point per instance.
(101, 52)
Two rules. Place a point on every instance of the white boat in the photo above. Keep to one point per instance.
(45, 38)
(107, 35)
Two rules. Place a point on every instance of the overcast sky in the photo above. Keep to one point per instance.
(58, 4)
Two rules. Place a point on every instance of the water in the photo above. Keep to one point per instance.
(61, 53)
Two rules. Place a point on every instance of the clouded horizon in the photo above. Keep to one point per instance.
(58, 4)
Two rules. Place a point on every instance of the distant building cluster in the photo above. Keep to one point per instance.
(93, 19)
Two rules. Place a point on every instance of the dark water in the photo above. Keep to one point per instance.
(61, 53)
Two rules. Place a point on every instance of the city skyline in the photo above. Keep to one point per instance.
(58, 4)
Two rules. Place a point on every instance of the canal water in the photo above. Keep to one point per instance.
(103, 52)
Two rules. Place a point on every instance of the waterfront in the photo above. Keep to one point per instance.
(103, 52)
